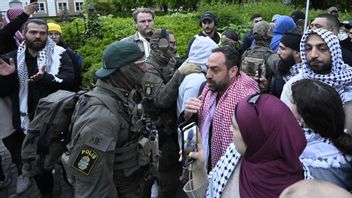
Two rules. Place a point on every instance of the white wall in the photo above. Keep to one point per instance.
(51, 7)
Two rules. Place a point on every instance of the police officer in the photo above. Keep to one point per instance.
(107, 156)
(160, 84)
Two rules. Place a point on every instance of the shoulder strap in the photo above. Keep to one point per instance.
(108, 101)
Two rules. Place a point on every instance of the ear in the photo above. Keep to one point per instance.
(296, 54)
(233, 71)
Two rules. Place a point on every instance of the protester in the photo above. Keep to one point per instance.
(332, 24)
(39, 67)
(55, 33)
(208, 21)
(289, 61)
(10, 34)
(144, 21)
(263, 158)
(319, 110)
(248, 38)
(283, 24)
(322, 60)
(191, 84)
(226, 86)
(103, 158)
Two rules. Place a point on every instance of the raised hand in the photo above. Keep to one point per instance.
(38, 75)
(7, 68)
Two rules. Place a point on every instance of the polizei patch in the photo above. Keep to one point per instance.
(85, 161)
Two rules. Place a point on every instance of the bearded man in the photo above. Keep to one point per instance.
(37, 68)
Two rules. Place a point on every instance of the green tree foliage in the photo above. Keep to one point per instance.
(184, 26)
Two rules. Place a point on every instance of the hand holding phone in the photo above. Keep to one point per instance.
(189, 142)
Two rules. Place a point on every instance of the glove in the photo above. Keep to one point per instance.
(188, 68)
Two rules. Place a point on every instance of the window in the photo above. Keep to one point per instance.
(78, 6)
(61, 6)
(41, 7)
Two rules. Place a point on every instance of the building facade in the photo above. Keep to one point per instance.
(47, 8)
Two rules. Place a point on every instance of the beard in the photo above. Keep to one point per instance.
(218, 86)
(35, 45)
(285, 65)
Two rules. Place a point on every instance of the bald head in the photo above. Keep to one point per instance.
(314, 189)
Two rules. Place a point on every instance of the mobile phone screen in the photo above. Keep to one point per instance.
(189, 143)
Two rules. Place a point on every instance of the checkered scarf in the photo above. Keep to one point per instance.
(320, 152)
(294, 70)
(50, 56)
(341, 74)
(221, 120)
(10, 15)
(225, 167)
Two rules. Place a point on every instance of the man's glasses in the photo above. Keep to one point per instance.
(253, 100)
(256, 21)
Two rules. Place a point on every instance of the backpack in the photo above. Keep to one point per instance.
(255, 60)
(49, 130)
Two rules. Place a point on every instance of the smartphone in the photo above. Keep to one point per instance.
(189, 142)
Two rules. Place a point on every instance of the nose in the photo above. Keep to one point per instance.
(314, 52)
(209, 75)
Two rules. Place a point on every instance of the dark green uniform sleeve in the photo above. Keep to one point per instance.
(164, 95)
(91, 159)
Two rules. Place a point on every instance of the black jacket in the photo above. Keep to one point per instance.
(7, 40)
(77, 67)
(346, 48)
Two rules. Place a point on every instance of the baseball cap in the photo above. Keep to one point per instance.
(207, 15)
(117, 55)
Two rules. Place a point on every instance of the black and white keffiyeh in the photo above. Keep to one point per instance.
(50, 56)
(294, 70)
(341, 74)
(222, 172)
(320, 152)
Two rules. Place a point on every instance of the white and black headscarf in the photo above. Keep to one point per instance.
(50, 56)
(341, 74)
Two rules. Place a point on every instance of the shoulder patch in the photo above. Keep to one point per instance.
(85, 161)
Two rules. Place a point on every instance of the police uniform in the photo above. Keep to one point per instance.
(95, 159)
(160, 86)
(107, 155)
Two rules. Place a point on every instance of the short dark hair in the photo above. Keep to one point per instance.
(232, 56)
(322, 110)
(256, 15)
(142, 10)
(36, 21)
(332, 21)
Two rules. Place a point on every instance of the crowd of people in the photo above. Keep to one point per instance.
(273, 112)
